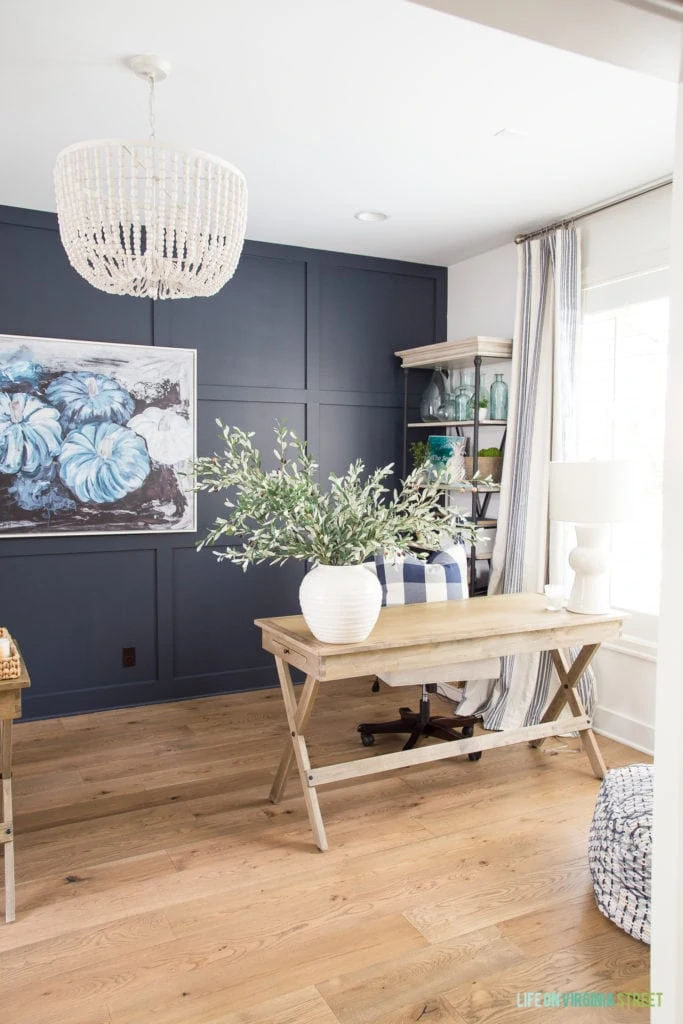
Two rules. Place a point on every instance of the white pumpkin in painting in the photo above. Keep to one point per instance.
(168, 435)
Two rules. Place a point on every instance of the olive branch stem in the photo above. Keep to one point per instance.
(284, 513)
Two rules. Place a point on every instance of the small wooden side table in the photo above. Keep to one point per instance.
(10, 708)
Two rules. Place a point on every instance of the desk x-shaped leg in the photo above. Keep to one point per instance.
(297, 719)
(569, 676)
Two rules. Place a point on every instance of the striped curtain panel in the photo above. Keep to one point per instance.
(527, 552)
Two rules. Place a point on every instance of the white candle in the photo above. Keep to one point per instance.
(4, 647)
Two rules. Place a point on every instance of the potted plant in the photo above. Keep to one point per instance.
(284, 513)
(483, 407)
(419, 453)
(490, 465)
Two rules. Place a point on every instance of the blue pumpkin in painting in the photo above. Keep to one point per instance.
(90, 398)
(41, 491)
(19, 368)
(30, 433)
(101, 462)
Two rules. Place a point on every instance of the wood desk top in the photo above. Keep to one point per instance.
(440, 632)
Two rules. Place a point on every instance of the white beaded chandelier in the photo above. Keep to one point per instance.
(149, 219)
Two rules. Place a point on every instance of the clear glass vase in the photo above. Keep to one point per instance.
(448, 409)
(461, 403)
(498, 404)
(433, 398)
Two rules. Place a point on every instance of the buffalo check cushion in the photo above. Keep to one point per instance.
(411, 580)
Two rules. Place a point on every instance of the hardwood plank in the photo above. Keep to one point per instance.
(43, 1008)
(499, 815)
(35, 962)
(552, 928)
(511, 894)
(599, 964)
(424, 1011)
(188, 977)
(304, 1007)
(57, 905)
(361, 996)
(29, 732)
(410, 879)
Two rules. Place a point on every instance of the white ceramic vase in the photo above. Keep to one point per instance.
(340, 603)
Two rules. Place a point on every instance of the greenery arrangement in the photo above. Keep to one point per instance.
(284, 513)
(490, 453)
(419, 453)
(483, 402)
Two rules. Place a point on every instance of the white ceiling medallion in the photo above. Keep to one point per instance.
(147, 218)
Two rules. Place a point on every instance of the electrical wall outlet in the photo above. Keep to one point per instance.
(128, 657)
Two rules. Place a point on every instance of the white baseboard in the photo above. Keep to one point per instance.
(624, 729)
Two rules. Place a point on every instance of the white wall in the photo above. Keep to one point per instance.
(667, 874)
(626, 240)
(481, 294)
(481, 300)
(641, 40)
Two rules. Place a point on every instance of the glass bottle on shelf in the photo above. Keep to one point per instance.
(433, 398)
(498, 405)
(462, 403)
(448, 410)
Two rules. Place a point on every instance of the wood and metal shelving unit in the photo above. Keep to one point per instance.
(456, 355)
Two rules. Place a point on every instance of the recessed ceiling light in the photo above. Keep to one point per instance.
(372, 215)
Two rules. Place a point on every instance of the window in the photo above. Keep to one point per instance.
(620, 399)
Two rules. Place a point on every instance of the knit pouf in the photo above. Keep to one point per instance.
(620, 848)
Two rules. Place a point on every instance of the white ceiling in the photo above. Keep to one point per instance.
(335, 106)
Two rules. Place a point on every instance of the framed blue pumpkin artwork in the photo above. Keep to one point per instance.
(95, 437)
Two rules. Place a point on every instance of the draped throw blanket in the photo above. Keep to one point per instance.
(540, 424)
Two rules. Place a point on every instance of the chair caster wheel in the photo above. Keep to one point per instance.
(468, 731)
(475, 756)
(367, 739)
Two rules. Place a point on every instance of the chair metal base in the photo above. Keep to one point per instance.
(422, 723)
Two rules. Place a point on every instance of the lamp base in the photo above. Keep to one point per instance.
(590, 562)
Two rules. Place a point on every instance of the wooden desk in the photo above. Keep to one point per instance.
(423, 635)
(10, 708)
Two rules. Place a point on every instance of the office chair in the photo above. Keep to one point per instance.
(411, 580)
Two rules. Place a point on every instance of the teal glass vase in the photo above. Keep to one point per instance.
(498, 399)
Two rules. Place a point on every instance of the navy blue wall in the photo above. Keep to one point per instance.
(298, 335)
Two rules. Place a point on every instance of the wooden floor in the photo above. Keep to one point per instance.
(158, 886)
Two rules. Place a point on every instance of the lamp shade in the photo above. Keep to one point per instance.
(591, 492)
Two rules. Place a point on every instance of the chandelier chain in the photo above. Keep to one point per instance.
(152, 118)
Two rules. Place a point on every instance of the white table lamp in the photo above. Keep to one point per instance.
(592, 495)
